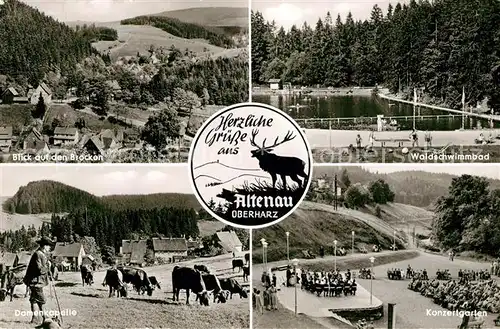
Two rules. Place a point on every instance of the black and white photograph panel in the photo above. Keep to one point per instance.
(116, 81)
(384, 246)
(383, 81)
(116, 247)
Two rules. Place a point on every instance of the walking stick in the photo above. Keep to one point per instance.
(57, 299)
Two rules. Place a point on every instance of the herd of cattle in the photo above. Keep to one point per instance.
(198, 279)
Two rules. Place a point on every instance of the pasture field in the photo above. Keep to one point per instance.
(16, 115)
(13, 222)
(68, 116)
(95, 310)
(133, 39)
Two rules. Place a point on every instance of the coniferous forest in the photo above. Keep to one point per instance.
(32, 43)
(439, 46)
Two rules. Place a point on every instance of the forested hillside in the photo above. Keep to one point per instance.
(32, 44)
(54, 197)
(48, 197)
(182, 29)
(439, 46)
(417, 188)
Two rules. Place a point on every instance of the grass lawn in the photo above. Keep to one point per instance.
(95, 310)
(68, 116)
(16, 115)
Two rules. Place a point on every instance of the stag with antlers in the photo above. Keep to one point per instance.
(278, 165)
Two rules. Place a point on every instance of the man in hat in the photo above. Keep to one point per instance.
(37, 276)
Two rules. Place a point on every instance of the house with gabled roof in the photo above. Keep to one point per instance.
(111, 139)
(134, 251)
(229, 241)
(170, 249)
(5, 139)
(8, 95)
(66, 136)
(42, 90)
(93, 145)
(36, 142)
(69, 254)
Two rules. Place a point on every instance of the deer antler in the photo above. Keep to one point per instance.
(255, 132)
(288, 137)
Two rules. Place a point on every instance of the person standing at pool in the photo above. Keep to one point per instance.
(414, 138)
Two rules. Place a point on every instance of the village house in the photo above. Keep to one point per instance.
(5, 139)
(8, 95)
(170, 249)
(69, 254)
(23, 258)
(44, 91)
(35, 142)
(134, 251)
(66, 136)
(93, 145)
(275, 84)
(111, 139)
(229, 241)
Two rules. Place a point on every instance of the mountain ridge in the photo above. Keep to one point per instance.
(48, 196)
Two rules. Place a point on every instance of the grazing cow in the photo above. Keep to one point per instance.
(189, 279)
(247, 258)
(138, 278)
(233, 287)
(238, 263)
(202, 268)
(212, 285)
(114, 279)
(223, 296)
(13, 278)
(246, 273)
(276, 164)
(87, 276)
(154, 282)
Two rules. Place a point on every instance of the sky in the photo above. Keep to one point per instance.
(290, 12)
(100, 179)
(115, 10)
(485, 170)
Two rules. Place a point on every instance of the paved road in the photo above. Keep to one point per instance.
(411, 307)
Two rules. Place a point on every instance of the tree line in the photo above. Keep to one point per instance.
(468, 217)
(182, 29)
(437, 46)
(95, 33)
(109, 227)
